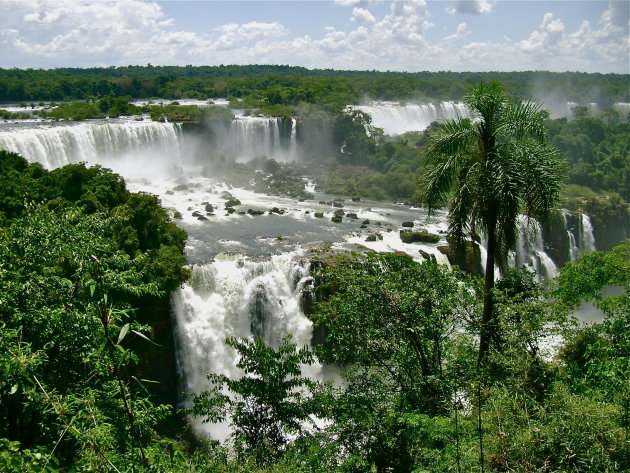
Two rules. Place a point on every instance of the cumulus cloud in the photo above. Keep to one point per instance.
(361, 15)
(471, 7)
(461, 32)
(43, 33)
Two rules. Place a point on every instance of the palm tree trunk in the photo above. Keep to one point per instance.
(487, 318)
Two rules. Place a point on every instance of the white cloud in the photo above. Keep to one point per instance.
(361, 15)
(471, 7)
(461, 32)
(43, 33)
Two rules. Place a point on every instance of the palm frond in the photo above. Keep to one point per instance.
(437, 180)
(544, 171)
(523, 120)
(454, 137)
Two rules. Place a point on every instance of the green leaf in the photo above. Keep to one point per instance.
(14, 389)
(141, 335)
(123, 332)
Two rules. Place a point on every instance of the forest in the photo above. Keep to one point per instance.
(290, 85)
(439, 370)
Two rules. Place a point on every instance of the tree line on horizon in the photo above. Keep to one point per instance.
(298, 84)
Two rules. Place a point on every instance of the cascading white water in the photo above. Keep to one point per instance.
(254, 137)
(623, 108)
(236, 297)
(96, 143)
(396, 119)
(586, 238)
(530, 251)
(573, 248)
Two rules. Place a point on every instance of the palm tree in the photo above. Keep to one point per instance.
(489, 169)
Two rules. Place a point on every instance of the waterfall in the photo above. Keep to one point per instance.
(96, 143)
(586, 238)
(396, 119)
(530, 251)
(623, 108)
(573, 248)
(236, 297)
(254, 137)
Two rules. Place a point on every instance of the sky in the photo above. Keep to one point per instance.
(397, 35)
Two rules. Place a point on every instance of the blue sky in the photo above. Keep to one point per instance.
(459, 35)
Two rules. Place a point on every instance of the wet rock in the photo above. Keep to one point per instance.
(232, 203)
(336, 219)
(356, 199)
(339, 213)
(337, 204)
(408, 236)
(428, 256)
(407, 224)
(255, 212)
(177, 215)
(374, 237)
(319, 214)
(202, 218)
(209, 207)
(170, 193)
(352, 215)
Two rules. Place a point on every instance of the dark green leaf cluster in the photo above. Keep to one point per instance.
(81, 259)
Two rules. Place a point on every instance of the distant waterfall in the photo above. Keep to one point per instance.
(396, 119)
(96, 142)
(530, 251)
(573, 247)
(236, 297)
(586, 239)
(254, 137)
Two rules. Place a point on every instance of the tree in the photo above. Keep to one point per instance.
(490, 169)
(266, 406)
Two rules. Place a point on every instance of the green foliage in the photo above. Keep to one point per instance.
(190, 113)
(267, 405)
(76, 267)
(597, 151)
(396, 317)
(489, 171)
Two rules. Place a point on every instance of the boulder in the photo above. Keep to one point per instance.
(352, 215)
(366, 222)
(232, 203)
(336, 219)
(407, 224)
(374, 237)
(409, 236)
(319, 214)
(339, 213)
(467, 257)
(209, 208)
(428, 256)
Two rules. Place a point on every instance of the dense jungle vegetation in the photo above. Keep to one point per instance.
(291, 85)
(86, 268)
